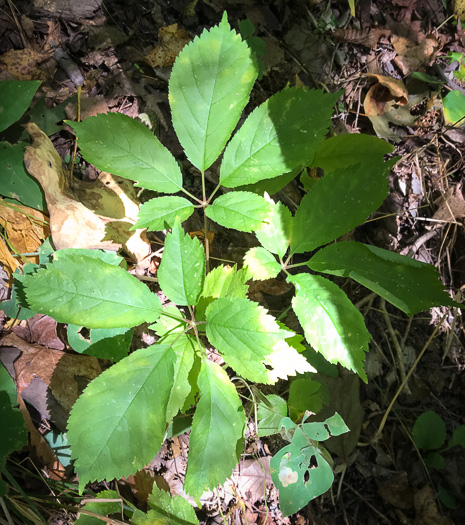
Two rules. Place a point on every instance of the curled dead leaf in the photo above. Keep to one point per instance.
(171, 41)
(23, 64)
(412, 55)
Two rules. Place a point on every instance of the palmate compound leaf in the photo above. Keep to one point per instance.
(86, 291)
(118, 424)
(250, 340)
(218, 426)
(338, 202)
(123, 146)
(209, 87)
(241, 210)
(182, 269)
(410, 285)
(156, 212)
(281, 134)
(331, 323)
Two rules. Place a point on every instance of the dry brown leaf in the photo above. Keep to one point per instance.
(396, 491)
(23, 64)
(85, 214)
(413, 55)
(9, 263)
(56, 368)
(365, 37)
(459, 9)
(395, 86)
(426, 509)
(451, 205)
(26, 229)
(251, 477)
(171, 41)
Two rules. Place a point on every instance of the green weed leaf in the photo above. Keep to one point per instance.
(306, 394)
(249, 338)
(241, 210)
(275, 234)
(15, 181)
(410, 285)
(15, 97)
(104, 343)
(282, 133)
(331, 323)
(338, 202)
(123, 146)
(86, 291)
(156, 212)
(100, 507)
(182, 268)
(269, 418)
(261, 264)
(209, 87)
(118, 424)
(429, 431)
(217, 428)
(454, 108)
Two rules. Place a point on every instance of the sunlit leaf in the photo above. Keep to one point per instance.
(154, 213)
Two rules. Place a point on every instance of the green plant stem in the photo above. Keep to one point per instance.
(194, 326)
(192, 196)
(297, 264)
(213, 193)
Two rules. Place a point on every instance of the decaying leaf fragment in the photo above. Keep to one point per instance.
(93, 215)
(171, 41)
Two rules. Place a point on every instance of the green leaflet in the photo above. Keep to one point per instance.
(156, 212)
(123, 146)
(338, 202)
(217, 427)
(306, 394)
(281, 134)
(118, 423)
(182, 268)
(86, 291)
(15, 97)
(261, 264)
(15, 181)
(241, 210)
(269, 418)
(209, 87)
(410, 285)
(104, 343)
(331, 323)
(271, 186)
(100, 507)
(275, 234)
(429, 431)
(105, 256)
(350, 149)
(249, 338)
(167, 509)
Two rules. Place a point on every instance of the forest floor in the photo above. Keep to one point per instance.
(391, 64)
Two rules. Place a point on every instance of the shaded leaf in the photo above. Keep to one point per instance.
(209, 87)
(123, 146)
(241, 210)
(429, 431)
(410, 285)
(104, 343)
(86, 291)
(156, 212)
(115, 431)
(281, 134)
(270, 417)
(217, 427)
(182, 269)
(15, 97)
(100, 507)
(331, 323)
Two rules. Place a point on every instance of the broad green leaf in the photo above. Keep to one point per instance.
(149, 518)
(410, 285)
(321, 430)
(269, 418)
(100, 507)
(117, 425)
(275, 234)
(281, 134)
(338, 202)
(182, 268)
(104, 343)
(123, 146)
(171, 509)
(105, 256)
(15, 181)
(209, 87)
(261, 264)
(15, 307)
(241, 210)
(218, 425)
(170, 331)
(271, 186)
(331, 323)
(299, 472)
(429, 431)
(306, 394)
(350, 149)
(458, 438)
(250, 339)
(435, 460)
(15, 97)
(86, 291)
(454, 108)
(156, 212)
